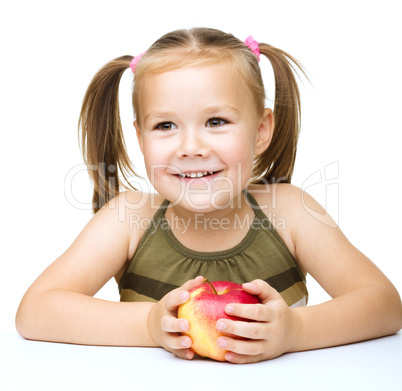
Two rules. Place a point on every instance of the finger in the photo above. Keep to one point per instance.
(239, 358)
(263, 290)
(171, 324)
(238, 346)
(193, 283)
(176, 342)
(249, 330)
(256, 312)
(186, 354)
(181, 295)
(243, 359)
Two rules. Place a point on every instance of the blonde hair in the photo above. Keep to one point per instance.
(102, 138)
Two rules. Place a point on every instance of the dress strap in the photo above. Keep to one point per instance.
(160, 213)
(258, 211)
(267, 224)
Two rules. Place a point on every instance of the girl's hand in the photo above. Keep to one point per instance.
(271, 332)
(165, 328)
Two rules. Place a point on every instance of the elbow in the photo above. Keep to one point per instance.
(399, 319)
(386, 310)
(20, 322)
(398, 324)
(395, 310)
(24, 320)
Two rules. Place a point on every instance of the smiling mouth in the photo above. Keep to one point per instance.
(200, 174)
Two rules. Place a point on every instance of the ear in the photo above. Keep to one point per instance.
(264, 132)
(139, 138)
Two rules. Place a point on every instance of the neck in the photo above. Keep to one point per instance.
(200, 224)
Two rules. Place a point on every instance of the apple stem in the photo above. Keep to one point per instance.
(214, 290)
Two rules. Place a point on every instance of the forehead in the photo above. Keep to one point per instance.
(192, 88)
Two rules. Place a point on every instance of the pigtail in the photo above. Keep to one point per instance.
(277, 162)
(102, 140)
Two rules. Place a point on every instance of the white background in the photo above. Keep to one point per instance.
(351, 114)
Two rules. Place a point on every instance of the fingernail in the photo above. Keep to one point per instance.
(221, 326)
(249, 285)
(222, 342)
(185, 343)
(229, 309)
(182, 325)
(229, 356)
(189, 355)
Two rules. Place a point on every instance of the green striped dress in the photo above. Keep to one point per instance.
(161, 263)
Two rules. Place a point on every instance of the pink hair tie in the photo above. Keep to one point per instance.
(134, 61)
(253, 45)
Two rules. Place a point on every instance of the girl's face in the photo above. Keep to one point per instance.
(199, 131)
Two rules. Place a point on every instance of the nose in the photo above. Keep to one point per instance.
(192, 144)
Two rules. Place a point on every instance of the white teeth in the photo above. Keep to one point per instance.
(195, 174)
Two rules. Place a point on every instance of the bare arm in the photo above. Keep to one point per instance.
(59, 305)
(65, 316)
(365, 304)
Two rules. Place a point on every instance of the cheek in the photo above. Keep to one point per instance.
(241, 165)
(241, 154)
(153, 153)
(152, 163)
(241, 151)
(154, 174)
(157, 162)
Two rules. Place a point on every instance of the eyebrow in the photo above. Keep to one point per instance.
(152, 116)
(222, 108)
(211, 110)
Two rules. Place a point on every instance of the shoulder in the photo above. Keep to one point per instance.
(277, 202)
(277, 199)
(135, 209)
(132, 205)
(296, 215)
(290, 202)
(269, 192)
(128, 215)
(119, 216)
(135, 202)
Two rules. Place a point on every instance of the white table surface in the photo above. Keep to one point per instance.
(28, 365)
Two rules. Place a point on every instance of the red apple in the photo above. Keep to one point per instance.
(206, 305)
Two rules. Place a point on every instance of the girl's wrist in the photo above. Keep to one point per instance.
(296, 331)
(151, 325)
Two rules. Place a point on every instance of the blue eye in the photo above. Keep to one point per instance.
(216, 122)
(166, 126)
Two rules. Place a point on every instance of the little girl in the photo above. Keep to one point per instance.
(221, 164)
